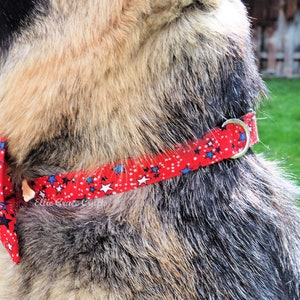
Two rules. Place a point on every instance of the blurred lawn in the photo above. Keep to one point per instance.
(279, 124)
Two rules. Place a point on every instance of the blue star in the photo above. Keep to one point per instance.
(52, 179)
(119, 169)
(92, 189)
(2, 145)
(155, 169)
(89, 180)
(186, 170)
(209, 154)
(242, 136)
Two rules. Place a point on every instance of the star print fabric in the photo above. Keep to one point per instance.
(118, 177)
(218, 144)
(8, 208)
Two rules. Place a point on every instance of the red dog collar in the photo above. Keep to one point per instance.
(232, 140)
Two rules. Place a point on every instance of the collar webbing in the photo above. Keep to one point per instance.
(229, 141)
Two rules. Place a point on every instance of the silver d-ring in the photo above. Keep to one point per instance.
(247, 132)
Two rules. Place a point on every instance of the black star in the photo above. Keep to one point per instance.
(156, 175)
(4, 221)
(197, 151)
(66, 180)
(104, 178)
(218, 150)
(146, 170)
(31, 183)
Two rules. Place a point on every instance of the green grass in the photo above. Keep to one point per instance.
(279, 125)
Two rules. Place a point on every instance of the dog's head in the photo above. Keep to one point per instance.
(88, 82)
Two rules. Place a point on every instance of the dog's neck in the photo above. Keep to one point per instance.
(232, 140)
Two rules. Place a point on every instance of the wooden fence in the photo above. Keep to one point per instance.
(276, 36)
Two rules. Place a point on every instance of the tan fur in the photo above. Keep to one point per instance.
(122, 63)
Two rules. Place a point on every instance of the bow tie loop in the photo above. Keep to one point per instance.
(8, 208)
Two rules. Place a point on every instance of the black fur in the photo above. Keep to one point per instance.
(16, 15)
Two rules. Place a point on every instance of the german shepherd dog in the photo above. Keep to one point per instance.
(89, 82)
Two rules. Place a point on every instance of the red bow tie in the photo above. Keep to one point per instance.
(9, 204)
(232, 140)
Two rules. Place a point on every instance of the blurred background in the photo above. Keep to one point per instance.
(276, 39)
(276, 35)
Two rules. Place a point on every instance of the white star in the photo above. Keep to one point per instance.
(9, 246)
(59, 189)
(106, 187)
(143, 180)
(42, 195)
